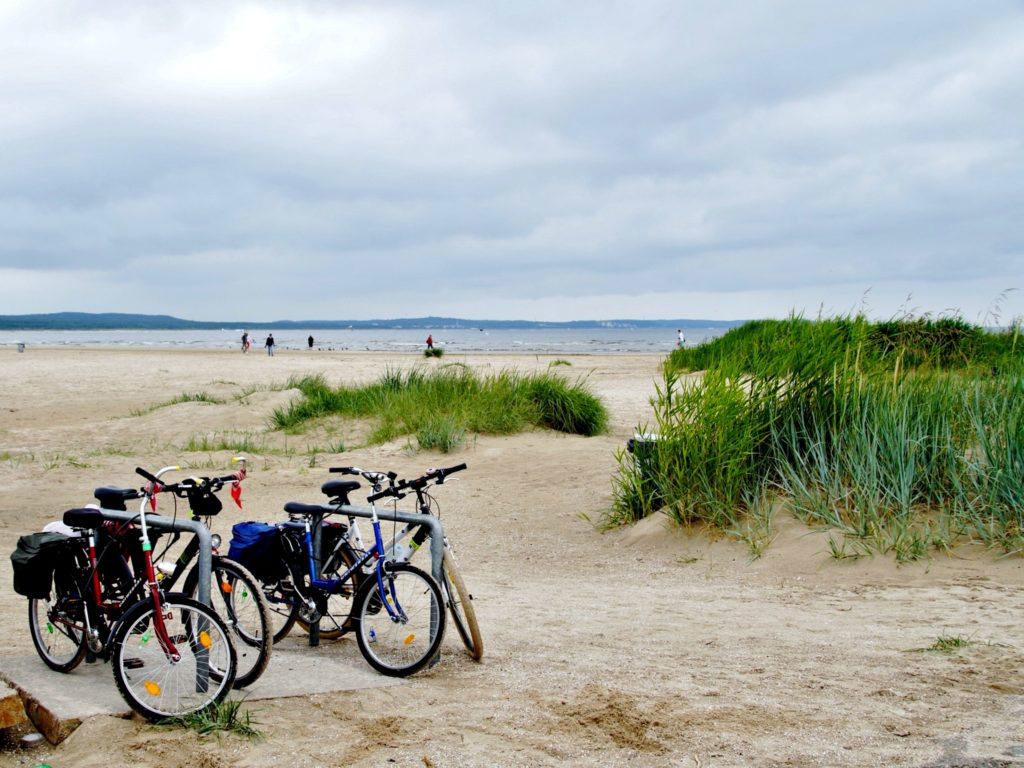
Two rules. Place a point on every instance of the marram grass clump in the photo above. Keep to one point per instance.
(891, 456)
(441, 406)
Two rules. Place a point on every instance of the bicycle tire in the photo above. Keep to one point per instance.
(339, 603)
(46, 642)
(379, 636)
(461, 602)
(198, 632)
(251, 622)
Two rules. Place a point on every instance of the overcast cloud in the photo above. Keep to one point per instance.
(552, 160)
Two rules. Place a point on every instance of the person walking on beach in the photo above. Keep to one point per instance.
(245, 342)
(430, 341)
(682, 339)
(310, 341)
(270, 345)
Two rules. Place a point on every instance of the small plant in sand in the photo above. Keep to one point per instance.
(239, 442)
(558, 362)
(226, 716)
(184, 397)
(442, 434)
(433, 352)
(945, 644)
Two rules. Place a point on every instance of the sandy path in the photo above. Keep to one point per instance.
(646, 647)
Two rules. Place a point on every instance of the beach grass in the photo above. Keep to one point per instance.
(226, 716)
(441, 406)
(184, 397)
(902, 437)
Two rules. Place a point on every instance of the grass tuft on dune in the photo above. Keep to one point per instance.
(441, 406)
(902, 436)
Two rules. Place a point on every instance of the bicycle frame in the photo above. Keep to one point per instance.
(332, 585)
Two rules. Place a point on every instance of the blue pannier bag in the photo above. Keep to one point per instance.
(255, 546)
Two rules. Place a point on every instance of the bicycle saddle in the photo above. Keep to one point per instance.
(83, 518)
(298, 508)
(339, 488)
(114, 498)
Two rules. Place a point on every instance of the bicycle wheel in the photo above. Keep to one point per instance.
(460, 603)
(155, 685)
(238, 599)
(58, 629)
(337, 619)
(405, 644)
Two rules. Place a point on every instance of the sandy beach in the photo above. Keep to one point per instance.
(644, 647)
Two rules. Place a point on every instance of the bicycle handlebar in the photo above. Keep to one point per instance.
(152, 478)
(434, 474)
(369, 475)
(182, 488)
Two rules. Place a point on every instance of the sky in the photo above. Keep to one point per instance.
(719, 159)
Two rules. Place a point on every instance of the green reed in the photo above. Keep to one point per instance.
(902, 450)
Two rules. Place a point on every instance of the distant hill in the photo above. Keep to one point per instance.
(89, 321)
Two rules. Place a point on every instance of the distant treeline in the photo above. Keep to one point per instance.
(88, 321)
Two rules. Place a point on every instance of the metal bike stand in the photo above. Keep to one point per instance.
(205, 566)
(314, 626)
(413, 518)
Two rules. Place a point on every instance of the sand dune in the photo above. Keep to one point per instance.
(646, 647)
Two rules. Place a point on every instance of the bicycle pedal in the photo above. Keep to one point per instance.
(133, 663)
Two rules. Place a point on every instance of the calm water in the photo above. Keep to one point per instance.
(536, 340)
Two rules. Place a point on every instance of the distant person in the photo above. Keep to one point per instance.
(270, 345)
(430, 341)
(245, 342)
(682, 339)
(310, 341)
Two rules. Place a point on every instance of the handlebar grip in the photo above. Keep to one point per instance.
(145, 474)
(456, 468)
(343, 470)
(377, 496)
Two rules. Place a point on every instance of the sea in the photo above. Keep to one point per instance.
(549, 341)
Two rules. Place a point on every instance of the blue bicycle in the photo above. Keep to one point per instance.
(397, 610)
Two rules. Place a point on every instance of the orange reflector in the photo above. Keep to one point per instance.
(152, 689)
(409, 639)
(225, 588)
(204, 639)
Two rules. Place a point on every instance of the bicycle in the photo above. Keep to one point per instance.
(459, 600)
(341, 553)
(171, 655)
(235, 592)
(396, 609)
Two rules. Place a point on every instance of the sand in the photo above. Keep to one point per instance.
(644, 647)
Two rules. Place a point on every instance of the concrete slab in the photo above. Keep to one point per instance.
(57, 703)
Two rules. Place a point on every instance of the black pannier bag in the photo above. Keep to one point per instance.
(256, 547)
(34, 560)
(203, 504)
